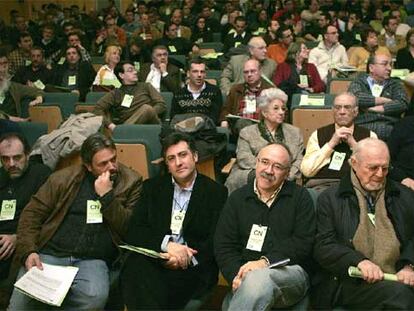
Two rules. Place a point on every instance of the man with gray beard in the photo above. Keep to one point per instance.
(266, 222)
(12, 93)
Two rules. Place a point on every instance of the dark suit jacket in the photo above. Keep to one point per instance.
(151, 219)
(170, 83)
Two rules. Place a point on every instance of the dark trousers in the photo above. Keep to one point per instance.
(358, 294)
(146, 284)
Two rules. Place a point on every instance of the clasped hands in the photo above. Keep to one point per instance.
(179, 256)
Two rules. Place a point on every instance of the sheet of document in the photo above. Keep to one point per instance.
(49, 285)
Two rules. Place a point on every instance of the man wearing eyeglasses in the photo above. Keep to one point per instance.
(365, 221)
(382, 100)
(133, 103)
(330, 147)
(329, 53)
(268, 220)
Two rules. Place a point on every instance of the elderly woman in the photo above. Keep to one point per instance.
(271, 129)
(106, 75)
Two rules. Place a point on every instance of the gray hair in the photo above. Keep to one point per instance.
(269, 95)
(366, 143)
(349, 95)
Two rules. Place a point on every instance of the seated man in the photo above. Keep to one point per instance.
(266, 221)
(366, 221)
(278, 52)
(36, 74)
(64, 208)
(176, 45)
(329, 53)
(381, 99)
(198, 96)
(390, 39)
(75, 74)
(133, 103)
(12, 93)
(21, 56)
(19, 180)
(233, 72)
(239, 35)
(162, 75)
(242, 100)
(330, 147)
(177, 215)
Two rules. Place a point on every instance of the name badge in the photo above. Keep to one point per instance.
(2, 98)
(337, 161)
(319, 38)
(256, 238)
(137, 66)
(250, 104)
(127, 101)
(376, 90)
(236, 44)
(27, 62)
(172, 48)
(304, 80)
(371, 217)
(61, 61)
(177, 220)
(93, 212)
(72, 80)
(358, 37)
(8, 210)
(39, 84)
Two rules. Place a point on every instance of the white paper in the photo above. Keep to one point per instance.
(49, 285)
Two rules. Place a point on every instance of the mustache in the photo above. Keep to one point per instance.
(268, 176)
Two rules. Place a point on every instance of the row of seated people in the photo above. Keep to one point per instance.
(365, 220)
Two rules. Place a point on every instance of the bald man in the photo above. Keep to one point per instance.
(366, 221)
(233, 72)
(267, 221)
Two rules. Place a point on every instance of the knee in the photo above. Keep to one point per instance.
(93, 296)
(401, 294)
(256, 284)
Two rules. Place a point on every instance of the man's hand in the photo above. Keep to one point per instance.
(379, 101)
(76, 92)
(379, 109)
(7, 245)
(247, 267)
(33, 260)
(163, 68)
(224, 124)
(341, 134)
(103, 184)
(112, 126)
(171, 263)
(406, 276)
(182, 253)
(38, 100)
(408, 182)
(370, 271)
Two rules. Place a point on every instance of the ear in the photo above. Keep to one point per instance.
(121, 75)
(352, 162)
(196, 157)
(88, 167)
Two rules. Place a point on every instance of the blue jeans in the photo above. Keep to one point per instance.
(89, 289)
(264, 289)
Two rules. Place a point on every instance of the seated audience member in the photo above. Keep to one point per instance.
(358, 57)
(314, 32)
(19, 180)
(201, 33)
(211, 21)
(240, 35)
(233, 72)
(49, 43)
(177, 19)
(130, 24)
(146, 31)
(110, 35)
(13, 93)
(133, 103)
(312, 13)
(353, 30)
(329, 53)
(268, 220)
(381, 99)
(106, 75)
(175, 45)
(74, 39)
(198, 96)
(242, 99)
(278, 52)
(271, 129)
(366, 222)
(405, 58)
(37, 73)
(138, 53)
(297, 75)
(402, 28)
(21, 55)
(271, 36)
(176, 216)
(161, 74)
(401, 147)
(63, 208)
(390, 39)
(329, 147)
(75, 74)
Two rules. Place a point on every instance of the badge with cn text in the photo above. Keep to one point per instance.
(127, 101)
(8, 210)
(256, 238)
(376, 90)
(337, 160)
(177, 220)
(304, 80)
(250, 104)
(93, 212)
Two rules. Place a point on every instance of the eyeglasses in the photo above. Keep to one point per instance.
(346, 107)
(375, 168)
(275, 166)
(384, 63)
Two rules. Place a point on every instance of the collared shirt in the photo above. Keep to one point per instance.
(154, 77)
(272, 198)
(196, 94)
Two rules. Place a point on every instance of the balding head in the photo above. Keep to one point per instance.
(257, 48)
(252, 72)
